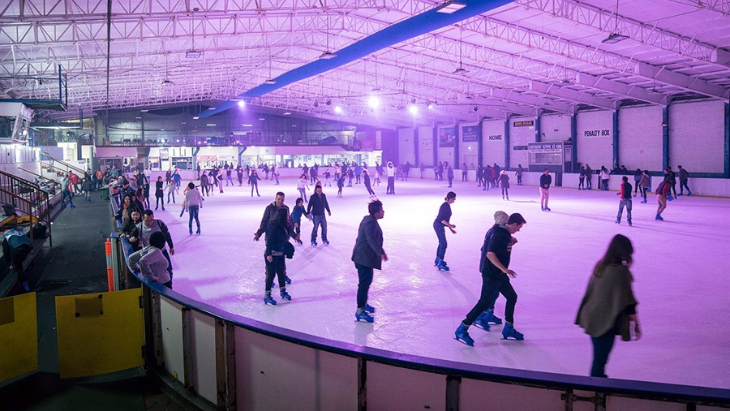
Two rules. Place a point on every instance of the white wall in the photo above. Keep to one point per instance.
(425, 146)
(640, 138)
(519, 136)
(555, 127)
(696, 136)
(406, 149)
(469, 150)
(593, 150)
(493, 142)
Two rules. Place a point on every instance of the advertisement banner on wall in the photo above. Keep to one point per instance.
(447, 136)
(469, 134)
(164, 154)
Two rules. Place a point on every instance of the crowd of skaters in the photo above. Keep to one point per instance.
(152, 239)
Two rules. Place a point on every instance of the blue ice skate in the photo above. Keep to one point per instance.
(509, 332)
(363, 316)
(462, 335)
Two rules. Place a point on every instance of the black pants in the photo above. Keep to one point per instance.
(277, 268)
(683, 185)
(365, 278)
(17, 257)
(602, 347)
(391, 186)
(673, 188)
(370, 189)
(169, 266)
(491, 288)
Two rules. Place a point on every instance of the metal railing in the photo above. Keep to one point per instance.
(51, 164)
(28, 199)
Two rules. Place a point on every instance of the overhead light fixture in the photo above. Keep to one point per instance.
(196, 118)
(413, 109)
(327, 55)
(167, 82)
(373, 102)
(329, 102)
(261, 119)
(338, 110)
(144, 110)
(614, 38)
(461, 71)
(450, 7)
(430, 105)
(211, 108)
(287, 113)
(241, 103)
(193, 54)
(316, 104)
(270, 81)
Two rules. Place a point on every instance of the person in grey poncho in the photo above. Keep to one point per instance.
(609, 306)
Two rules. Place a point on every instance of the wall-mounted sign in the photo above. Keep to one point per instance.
(525, 123)
(447, 136)
(519, 148)
(495, 137)
(597, 133)
(470, 134)
(164, 154)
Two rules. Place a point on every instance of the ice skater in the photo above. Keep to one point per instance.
(449, 173)
(317, 204)
(270, 213)
(277, 238)
(254, 179)
(494, 265)
(662, 191)
(159, 193)
(193, 202)
(366, 181)
(504, 184)
(683, 178)
(391, 178)
(624, 201)
(302, 186)
(296, 217)
(340, 185)
(545, 181)
(439, 225)
(609, 307)
(368, 254)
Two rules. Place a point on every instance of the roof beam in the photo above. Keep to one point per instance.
(575, 51)
(580, 97)
(606, 20)
(626, 90)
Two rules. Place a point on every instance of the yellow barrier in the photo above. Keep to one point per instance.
(99, 333)
(18, 336)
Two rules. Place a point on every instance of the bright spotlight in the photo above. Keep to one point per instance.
(430, 106)
(241, 103)
(373, 102)
(413, 109)
(338, 110)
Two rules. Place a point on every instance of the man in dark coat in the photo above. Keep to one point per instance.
(367, 255)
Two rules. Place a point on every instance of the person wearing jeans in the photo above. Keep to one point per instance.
(193, 202)
(315, 208)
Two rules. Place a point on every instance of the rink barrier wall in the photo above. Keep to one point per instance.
(230, 362)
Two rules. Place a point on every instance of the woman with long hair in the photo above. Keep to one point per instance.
(609, 307)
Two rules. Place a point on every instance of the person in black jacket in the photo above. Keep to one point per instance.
(494, 265)
(277, 235)
(315, 208)
(439, 224)
(270, 214)
(545, 181)
(368, 254)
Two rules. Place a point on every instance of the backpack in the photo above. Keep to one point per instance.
(39, 230)
(9, 210)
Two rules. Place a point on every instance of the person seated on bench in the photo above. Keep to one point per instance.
(16, 247)
(151, 262)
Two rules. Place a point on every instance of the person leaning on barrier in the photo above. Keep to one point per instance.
(16, 247)
(151, 262)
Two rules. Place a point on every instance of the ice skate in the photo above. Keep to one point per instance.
(509, 331)
(491, 318)
(314, 243)
(326, 242)
(285, 295)
(481, 322)
(287, 280)
(269, 300)
(442, 266)
(369, 309)
(363, 316)
(462, 335)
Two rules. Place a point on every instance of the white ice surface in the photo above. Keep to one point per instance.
(681, 276)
